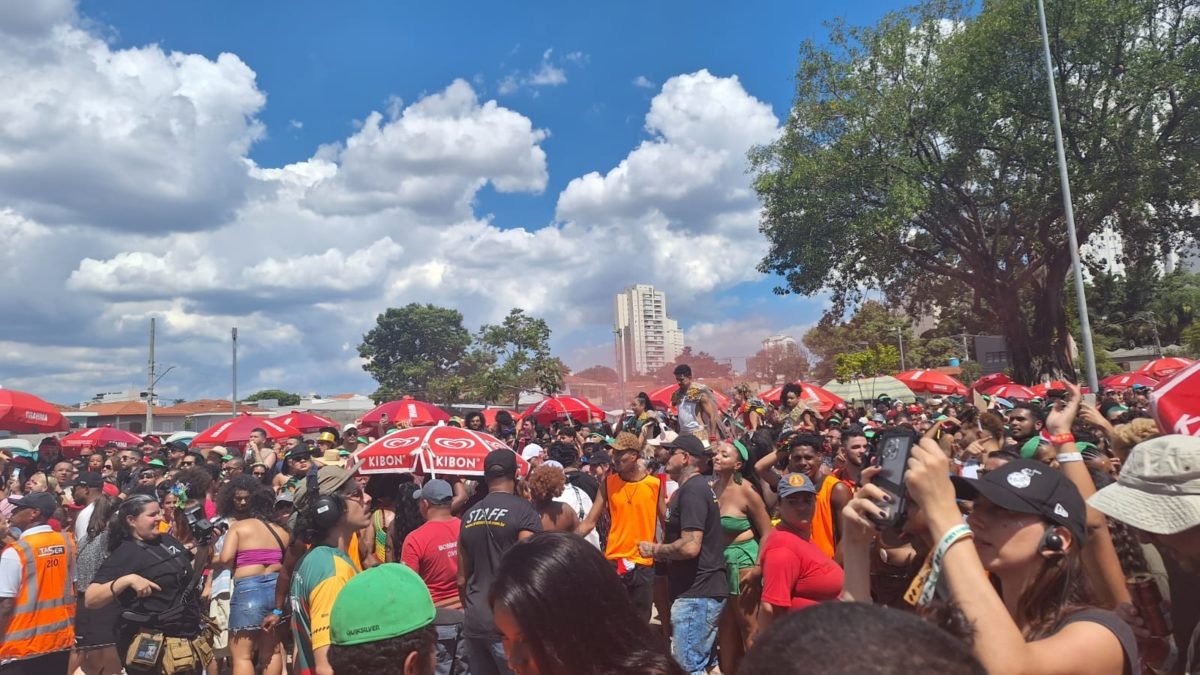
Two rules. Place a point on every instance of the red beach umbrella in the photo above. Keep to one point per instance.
(23, 413)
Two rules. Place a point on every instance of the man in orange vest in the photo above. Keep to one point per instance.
(37, 592)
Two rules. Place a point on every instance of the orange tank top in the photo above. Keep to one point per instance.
(633, 508)
(822, 522)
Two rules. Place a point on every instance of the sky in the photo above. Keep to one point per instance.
(295, 168)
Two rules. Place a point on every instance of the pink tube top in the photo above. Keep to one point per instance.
(259, 556)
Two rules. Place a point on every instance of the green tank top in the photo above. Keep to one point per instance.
(735, 524)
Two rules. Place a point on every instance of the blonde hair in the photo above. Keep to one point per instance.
(1125, 436)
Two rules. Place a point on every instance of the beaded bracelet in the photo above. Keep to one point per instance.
(952, 537)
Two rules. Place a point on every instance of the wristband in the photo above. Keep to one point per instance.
(1064, 457)
(1062, 439)
(277, 612)
(952, 537)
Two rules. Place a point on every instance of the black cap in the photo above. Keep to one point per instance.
(690, 444)
(500, 463)
(1028, 486)
(42, 501)
(89, 479)
(599, 458)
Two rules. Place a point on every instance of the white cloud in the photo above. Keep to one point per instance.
(87, 130)
(643, 82)
(550, 72)
(296, 124)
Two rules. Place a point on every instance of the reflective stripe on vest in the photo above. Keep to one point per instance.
(44, 613)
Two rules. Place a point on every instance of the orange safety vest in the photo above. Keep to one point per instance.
(822, 521)
(43, 619)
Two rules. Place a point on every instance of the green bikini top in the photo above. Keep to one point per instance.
(735, 524)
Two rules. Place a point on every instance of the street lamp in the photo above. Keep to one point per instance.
(1085, 327)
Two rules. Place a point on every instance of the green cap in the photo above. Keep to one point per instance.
(363, 440)
(383, 602)
(1029, 450)
(156, 463)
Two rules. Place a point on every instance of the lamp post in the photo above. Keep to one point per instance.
(1085, 327)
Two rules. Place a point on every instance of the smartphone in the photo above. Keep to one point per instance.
(893, 447)
(16, 475)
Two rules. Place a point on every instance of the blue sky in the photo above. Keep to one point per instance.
(158, 214)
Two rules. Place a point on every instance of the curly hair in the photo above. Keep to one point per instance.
(408, 515)
(262, 498)
(1125, 436)
(545, 483)
(790, 387)
(196, 480)
(743, 389)
(385, 656)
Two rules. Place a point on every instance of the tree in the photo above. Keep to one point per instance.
(599, 374)
(285, 398)
(933, 353)
(416, 350)
(702, 364)
(778, 364)
(877, 360)
(920, 151)
(870, 326)
(514, 356)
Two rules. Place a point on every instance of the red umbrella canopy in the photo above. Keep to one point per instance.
(432, 450)
(661, 397)
(22, 413)
(237, 431)
(414, 412)
(1175, 402)
(305, 421)
(1127, 380)
(98, 437)
(815, 396)
(1160, 368)
(489, 415)
(1011, 391)
(554, 408)
(988, 381)
(932, 382)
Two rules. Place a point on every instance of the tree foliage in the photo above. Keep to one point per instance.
(517, 353)
(285, 398)
(599, 374)
(702, 364)
(415, 350)
(869, 362)
(778, 364)
(920, 151)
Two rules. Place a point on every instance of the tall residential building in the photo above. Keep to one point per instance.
(647, 338)
(780, 342)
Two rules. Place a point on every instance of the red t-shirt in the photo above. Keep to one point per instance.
(797, 574)
(431, 551)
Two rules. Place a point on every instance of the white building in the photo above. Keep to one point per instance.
(779, 342)
(647, 338)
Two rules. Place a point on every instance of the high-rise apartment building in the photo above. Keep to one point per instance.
(646, 338)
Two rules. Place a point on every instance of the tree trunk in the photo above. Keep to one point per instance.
(1035, 347)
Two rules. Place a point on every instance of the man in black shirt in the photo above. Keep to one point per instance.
(489, 528)
(694, 545)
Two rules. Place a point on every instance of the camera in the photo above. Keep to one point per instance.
(202, 528)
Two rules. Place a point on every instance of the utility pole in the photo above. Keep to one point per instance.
(234, 402)
(900, 339)
(1085, 325)
(1150, 319)
(150, 383)
(619, 337)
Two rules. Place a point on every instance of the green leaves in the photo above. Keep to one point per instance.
(285, 398)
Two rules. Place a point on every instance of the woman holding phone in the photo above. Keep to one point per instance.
(1027, 531)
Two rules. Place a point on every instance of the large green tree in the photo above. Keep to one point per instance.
(514, 356)
(416, 350)
(778, 364)
(919, 154)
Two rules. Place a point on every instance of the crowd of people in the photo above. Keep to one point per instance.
(947, 535)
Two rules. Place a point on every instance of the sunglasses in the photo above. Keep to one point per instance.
(259, 474)
(106, 467)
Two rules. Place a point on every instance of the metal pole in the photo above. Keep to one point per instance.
(1085, 326)
(150, 383)
(619, 341)
(234, 406)
(900, 338)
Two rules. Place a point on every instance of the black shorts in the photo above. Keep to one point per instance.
(96, 627)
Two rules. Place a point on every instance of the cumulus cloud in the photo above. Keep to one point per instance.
(86, 130)
(551, 72)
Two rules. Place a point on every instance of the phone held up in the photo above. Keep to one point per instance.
(892, 449)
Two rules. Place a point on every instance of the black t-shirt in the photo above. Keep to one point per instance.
(167, 563)
(490, 528)
(585, 482)
(694, 507)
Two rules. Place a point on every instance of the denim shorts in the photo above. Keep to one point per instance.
(252, 600)
(694, 630)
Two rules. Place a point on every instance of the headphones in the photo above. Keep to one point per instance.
(1052, 542)
(328, 509)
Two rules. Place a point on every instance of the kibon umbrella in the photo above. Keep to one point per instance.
(23, 413)
(438, 450)
(661, 397)
(306, 422)
(552, 408)
(408, 410)
(991, 380)
(98, 437)
(871, 388)
(1018, 392)
(237, 431)
(814, 396)
(932, 382)
(1165, 367)
(1127, 380)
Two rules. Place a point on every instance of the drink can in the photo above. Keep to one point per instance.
(1149, 604)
